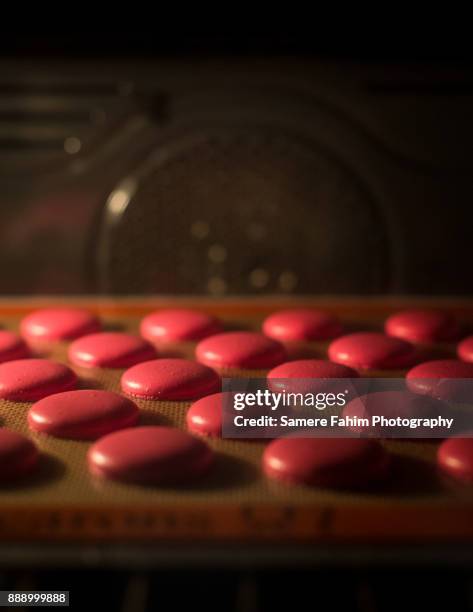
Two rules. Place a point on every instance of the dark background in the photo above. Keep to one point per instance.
(316, 162)
(439, 39)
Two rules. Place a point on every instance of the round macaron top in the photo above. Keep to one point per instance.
(312, 368)
(441, 368)
(178, 324)
(392, 404)
(154, 455)
(465, 349)
(28, 380)
(18, 455)
(422, 326)
(240, 349)
(12, 346)
(309, 376)
(205, 416)
(302, 324)
(442, 378)
(370, 351)
(326, 462)
(84, 414)
(53, 324)
(170, 379)
(110, 350)
(455, 457)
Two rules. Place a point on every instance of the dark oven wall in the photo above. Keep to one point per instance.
(235, 176)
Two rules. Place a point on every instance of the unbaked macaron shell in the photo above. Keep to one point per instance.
(422, 326)
(150, 455)
(240, 349)
(170, 379)
(301, 324)
(18, 455)
(180, 324)
(312, 368)
(12, 347)
(309, 376)
(110, 350)
(326, 462)
(55, 324)
(455, 458)
(447, 379)
(371, 351)
(205, 416)
(29, 380)
(465, 349)
(392, 404)
(84, 414)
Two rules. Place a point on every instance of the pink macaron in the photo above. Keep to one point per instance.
(326, 462)
(150, 455)
(371, 351)
(170, 379)
(29, 380)
(84, 414)
(18, 455)
(422, 326)
(302, 324)
(110, 350)
(178, 324)
(12, 347)
(240, 349)
(55, 324)
(455, 458)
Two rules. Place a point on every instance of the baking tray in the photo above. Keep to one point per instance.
(63, 503)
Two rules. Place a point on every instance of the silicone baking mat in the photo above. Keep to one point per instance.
(235, 502)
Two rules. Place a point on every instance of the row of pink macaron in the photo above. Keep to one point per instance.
(270, 356)
(63, 410)
(168, 456)
(245, 350)
(180, 324)
(90, 414)
(248, 350)
(149, 454)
